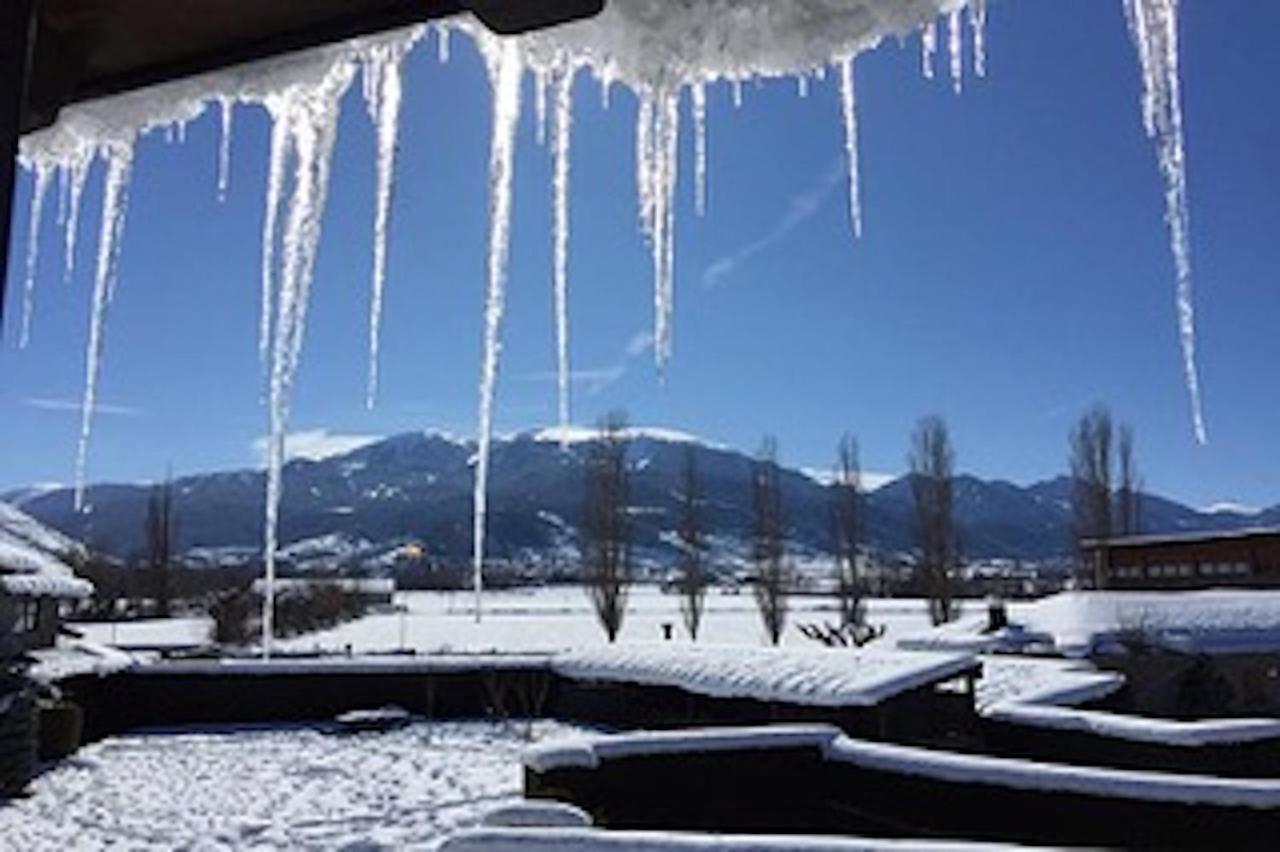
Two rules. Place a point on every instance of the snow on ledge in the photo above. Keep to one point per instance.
(368, 664)
(596, 840)
(587, 752)
(1057, 778)
(1172, 732)
(815, 677)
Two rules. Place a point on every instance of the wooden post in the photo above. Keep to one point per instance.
(16, 26)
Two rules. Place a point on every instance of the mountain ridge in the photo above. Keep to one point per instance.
(416, 486)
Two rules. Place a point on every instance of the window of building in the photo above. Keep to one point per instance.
(1206, 569)
(1186, 569)
(28, 616)
(1241, 569)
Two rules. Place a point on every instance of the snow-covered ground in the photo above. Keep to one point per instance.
(551, 619)
(273, 788)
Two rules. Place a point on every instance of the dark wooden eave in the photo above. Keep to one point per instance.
(59, 52)
(86, 49)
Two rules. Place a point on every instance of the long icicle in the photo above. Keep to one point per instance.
(280, 149)
(78, 171)
(115, 200)
(505, 70)
(560, 147)
(698, 99)
(39, 190)
(664, 148)
(309, 117)
(978, 23)
(1154, 27)
(224, 147)
(928, 47)
(849, 109)
(383, 70)
(955, 49)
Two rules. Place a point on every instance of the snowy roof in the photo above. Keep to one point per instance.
(365, 664)
(823, 677)
(73, 657)
(31, 559)
(928, 763)
(1154, 539)
(1014, 679)
(598, 840)
(1076, 624)
(586, 752)
(1173, 732)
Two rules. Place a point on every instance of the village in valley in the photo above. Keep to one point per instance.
(615, 635)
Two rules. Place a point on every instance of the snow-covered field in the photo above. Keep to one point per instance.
(551, 619)
(273, 788)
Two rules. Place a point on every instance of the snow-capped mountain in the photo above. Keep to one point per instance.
(357, 507)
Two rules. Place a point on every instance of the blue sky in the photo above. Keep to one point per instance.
(1014, 268)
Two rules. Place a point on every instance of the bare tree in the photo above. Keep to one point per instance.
(769, 540)
(159, 538)
(1129, 493)
(693, 546)
(1091, 464)
(932, 464)
(1106, 491)
(846, 523)
(606, 524)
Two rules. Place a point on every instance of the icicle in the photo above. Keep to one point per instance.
(644, 161)
(736, 85)
(64, 192)
(658, 204)
(540, 105)
(280, 144)
(802, 85)
(955, 49)
(928, 46)
(442, 43)
(560, 147)
(505, 70)
(38, 192)
(306, 120)
(78, 170)
(383, 82)
(224, 149)
(848, 105)
(1154, 27)
(699, 101)
(115, 199)
(978, 23)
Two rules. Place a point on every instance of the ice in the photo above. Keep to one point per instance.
(540, 104)
(955, 49)
(308, 112)
(1154, 27)
(698, 98)
(928, 47)
(560, 147)
(77, 171)
(848, 106)
(978, 23)
(39, 190)
(505, 70)
(225, 106)
(275, 183)
(382, 65)
(115, 193)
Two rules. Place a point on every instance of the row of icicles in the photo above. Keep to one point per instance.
(303, 130)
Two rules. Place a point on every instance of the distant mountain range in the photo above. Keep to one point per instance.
(362, 507)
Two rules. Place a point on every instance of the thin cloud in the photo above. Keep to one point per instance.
(74, 406)
(316, 444)
(596, 379)
(800, 209)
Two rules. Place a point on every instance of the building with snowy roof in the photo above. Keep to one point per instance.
(1239, 558)
(36, 579)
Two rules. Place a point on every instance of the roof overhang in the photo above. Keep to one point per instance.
(85, 49)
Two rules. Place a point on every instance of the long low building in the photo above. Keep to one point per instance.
(1204, 560)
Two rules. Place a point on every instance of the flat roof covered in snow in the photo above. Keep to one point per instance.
(827, 677)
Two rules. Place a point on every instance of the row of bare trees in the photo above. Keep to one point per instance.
(1106, 490)
(606, 530)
